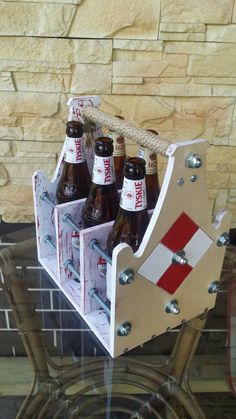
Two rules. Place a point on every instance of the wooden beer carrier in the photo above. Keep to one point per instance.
(172, 278)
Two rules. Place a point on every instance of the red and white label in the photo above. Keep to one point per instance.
(150, 158)
(103, 170)
(184, 235)
(133, 195)
(74, 150)
(118, 144)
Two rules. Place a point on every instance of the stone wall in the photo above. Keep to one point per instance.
(169, 65)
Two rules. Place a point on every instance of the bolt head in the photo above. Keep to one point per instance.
(180, 181)
(193, 161)
(126, 277)
(124, 329)
(172, 307)
(223, 240)
(214, 287)
(193, 178)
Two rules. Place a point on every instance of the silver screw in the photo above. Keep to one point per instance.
(214, 287)
(172, 307)
(193, 178)
(180, 181)
(193, 161)
(126, 277)
(124, 329)
(179, 257)
(223, 240)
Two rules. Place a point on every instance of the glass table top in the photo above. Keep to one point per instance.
(53, 366)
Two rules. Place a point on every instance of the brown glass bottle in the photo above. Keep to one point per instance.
(102, 202)
(132, 218)
(119, 155)
(152, 183)
(74, 182)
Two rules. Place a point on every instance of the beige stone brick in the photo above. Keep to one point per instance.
(19, 103)
(4, 176)
(24, 170)
(176, 36)
(227, 91)
(211, 11)
(5, 148)
(232, 182)
(221, 155)
(53, 52)
(215, 66)
(40, 82)
(36, 148)
(127, 80)
(137, 45)
(17, 214)
(6, 82)
(163, 89)
(129, 55)
(224, 33)
(214, 108)
(234, 14)
(215, 80)
(11, 133)
(45, 19)
(163, 66)
(44, 129)
(35, 66)
(218, 180)
(108, 19)
(200, 48)
(16, 195)
(182, 27)
(91, 78)
(232, 137)
(51, 1)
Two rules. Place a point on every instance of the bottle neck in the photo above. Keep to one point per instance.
(103, 170)
(74, 150)
(150, 158)
(118, 144)
(133, 195)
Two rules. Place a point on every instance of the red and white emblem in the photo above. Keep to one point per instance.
(159, 267)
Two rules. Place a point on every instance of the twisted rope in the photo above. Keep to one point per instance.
(147, 139)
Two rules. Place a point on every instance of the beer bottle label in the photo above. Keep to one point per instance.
(133, 195)
(103, 170)
(118, 144)
(150, 158)
(74, 150)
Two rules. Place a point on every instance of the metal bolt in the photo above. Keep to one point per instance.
(126, 277)
(45, 197)
(180, 181)
(223, 240)
(124, 329)
(179, 257)
(214, 287)
(47, 239)
(193, 178)
(172, 307)
(68, 220)
(93, 293)
(193, 161)
(69, 264)
(95, 246)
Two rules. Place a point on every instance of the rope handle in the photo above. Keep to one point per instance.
(143, 137)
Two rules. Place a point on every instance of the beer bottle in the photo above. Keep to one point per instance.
(119, 155)
(152, 183)
(103, 200)
(132, 218)
(74, 182)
